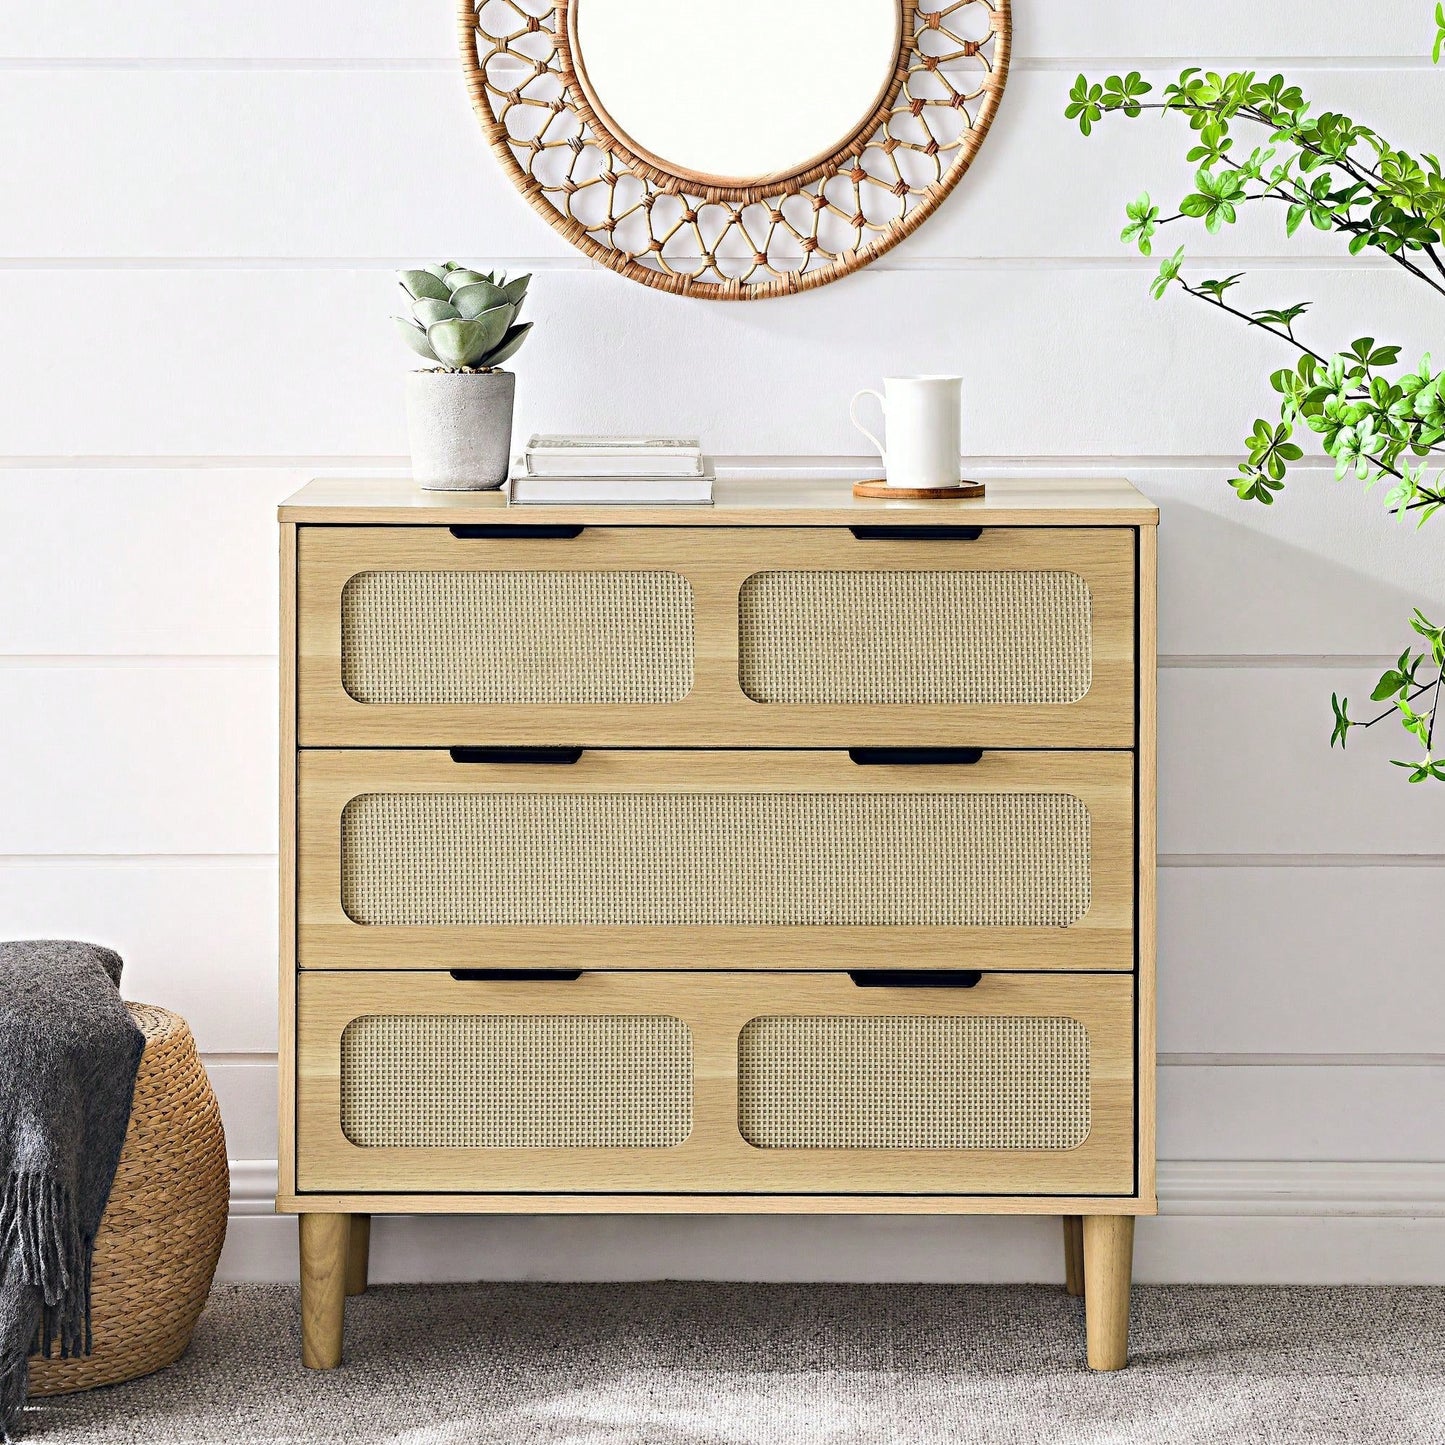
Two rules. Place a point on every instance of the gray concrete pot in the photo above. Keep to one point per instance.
(461, 428)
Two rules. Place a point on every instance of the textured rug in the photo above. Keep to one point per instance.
(710, 1364)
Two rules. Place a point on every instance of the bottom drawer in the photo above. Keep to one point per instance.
(716, 1083)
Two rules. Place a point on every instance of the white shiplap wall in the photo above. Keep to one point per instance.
(203, 207)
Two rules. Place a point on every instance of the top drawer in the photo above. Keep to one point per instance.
(716, 636)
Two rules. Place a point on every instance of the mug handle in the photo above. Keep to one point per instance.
(853, 416)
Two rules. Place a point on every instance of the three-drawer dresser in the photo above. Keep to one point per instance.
(789, 855)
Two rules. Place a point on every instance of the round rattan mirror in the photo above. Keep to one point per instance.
(750, 149)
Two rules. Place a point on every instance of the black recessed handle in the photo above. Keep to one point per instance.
(915, 978)
(559, 756)
(516, 975)
(916, 534)
(502, 531)
(915, 757)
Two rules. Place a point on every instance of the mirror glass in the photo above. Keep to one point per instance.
(735, 91)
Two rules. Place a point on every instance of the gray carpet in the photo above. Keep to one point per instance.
(707, 1364)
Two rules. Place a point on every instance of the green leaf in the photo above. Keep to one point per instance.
(514, 291)
(422, 283)
(477, 297)
(1085, 104)
(1217, 289)
(1343, 721)
(511, 343)
(429, 312)
(1423, 771)
(466, 343)
(1124, 93)
(1252, 485)
(463, 276)
(1398, 680)
(1285, 316)
(415, 338)
(1168, 273)
(1435, 636)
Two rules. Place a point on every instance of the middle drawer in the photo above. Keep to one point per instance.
(787, 860)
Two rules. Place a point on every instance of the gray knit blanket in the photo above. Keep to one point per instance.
(69, 1052)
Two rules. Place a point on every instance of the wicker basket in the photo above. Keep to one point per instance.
(163, 1229)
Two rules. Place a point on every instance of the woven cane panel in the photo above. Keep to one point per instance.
(517, 637)
(519, 1081)
(967, 638)
(796, 859)
(913, 1083)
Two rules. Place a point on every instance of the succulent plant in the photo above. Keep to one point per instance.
(461, 319)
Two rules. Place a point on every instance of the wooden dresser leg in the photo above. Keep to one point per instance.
(1108, 1270)
(1074, 1254)
(325, 1244)
(358, 1257)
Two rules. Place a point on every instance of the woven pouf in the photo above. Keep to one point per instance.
(161, 1236)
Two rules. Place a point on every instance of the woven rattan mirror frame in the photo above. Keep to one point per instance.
(782, 235)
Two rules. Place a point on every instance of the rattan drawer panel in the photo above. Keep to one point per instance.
(781, 860)
(891, 638)
(523, 1081)
(796, 860)
(517, 637)
(722, 637)
(934, 1081)
(716, 1083)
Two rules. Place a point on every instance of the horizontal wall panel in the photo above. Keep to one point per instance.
(334, 142)
(197, 936)
(1037, 189)
(1245, 766)
(183, 561)
(1301, 960)
(212, 29)
(1064, 30)
(1318, 1112)
(1324, 571)
(138, 759)
(132, 562)
(156, 758)
(1126, 375)
(247, 1091)
(404, 29)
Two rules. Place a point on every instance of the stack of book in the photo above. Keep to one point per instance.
(634, 471)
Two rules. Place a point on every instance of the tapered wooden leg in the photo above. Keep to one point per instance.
(325, 1244)
(1108, 1270)
(358, 1258)
(1074, 1254)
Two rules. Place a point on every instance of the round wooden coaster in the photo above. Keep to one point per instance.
(962, 491)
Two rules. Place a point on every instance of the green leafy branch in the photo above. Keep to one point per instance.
(1401, 687)
(1327, 169)
(1377, 421)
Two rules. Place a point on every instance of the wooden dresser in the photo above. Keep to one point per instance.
(790, 855)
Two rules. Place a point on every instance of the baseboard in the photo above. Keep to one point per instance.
(1221, 1222)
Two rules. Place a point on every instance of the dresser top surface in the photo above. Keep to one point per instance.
(753, 502)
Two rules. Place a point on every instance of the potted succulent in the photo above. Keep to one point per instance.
(459, 411)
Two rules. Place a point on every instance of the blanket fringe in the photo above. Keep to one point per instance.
(40, 1227)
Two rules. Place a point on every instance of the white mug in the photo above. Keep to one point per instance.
(921, 414)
